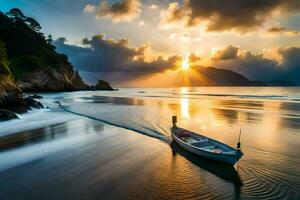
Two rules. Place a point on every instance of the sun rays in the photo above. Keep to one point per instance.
(186, 62)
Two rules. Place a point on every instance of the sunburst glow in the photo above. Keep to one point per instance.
(186, 62)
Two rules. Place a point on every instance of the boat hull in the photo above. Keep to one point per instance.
(229, 159)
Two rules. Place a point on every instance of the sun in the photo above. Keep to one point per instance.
(185, 62)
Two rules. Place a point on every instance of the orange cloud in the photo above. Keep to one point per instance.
(242, 16)
(281, 30)
(124, 11)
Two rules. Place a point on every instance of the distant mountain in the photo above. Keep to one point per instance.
(280, 83)
(34, 63)
(210, 76)
(222, 77)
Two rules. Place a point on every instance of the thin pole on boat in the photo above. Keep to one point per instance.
(238, 146)
(174, 120)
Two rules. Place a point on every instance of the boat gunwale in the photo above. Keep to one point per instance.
(234, 153)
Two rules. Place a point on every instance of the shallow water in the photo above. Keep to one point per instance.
(270, 123)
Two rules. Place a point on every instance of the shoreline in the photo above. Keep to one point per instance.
(36, 118)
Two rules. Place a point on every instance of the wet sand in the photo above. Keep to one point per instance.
(53, 154)
(85, 159)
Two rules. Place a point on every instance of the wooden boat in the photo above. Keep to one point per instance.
(222, 170)
(203, 146)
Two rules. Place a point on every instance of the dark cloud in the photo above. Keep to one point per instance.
(291, 63)
(279, 29)
(111, 58)
(257, 67)
(219, 15)
(125, 10)
(229, 52)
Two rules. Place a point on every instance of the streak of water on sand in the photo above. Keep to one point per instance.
(139, 129)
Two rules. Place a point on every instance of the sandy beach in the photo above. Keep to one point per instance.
(84, 159)
(71, 153)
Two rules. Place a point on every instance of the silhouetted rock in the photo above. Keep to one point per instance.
(31, 103)
(35, 96)
(7, 115)
(102, 85)
(12, 102)
(21, 105)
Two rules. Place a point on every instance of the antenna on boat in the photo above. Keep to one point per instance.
(174, 120)
(238, 146)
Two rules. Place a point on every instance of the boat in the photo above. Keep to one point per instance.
(205, 147)
(222, 170)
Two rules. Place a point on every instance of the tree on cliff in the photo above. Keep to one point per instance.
(34, 63)
(33, 24)
(49, 39)
(17, 15)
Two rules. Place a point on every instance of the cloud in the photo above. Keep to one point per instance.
(173, 16)
(153, 6)
(185, 37)
(89, 8)
(258, 67)
(194, 59)
(291, 62)
(123, 11)
(241, 16)
(118, 62)
(279, 30)
(141, 23)
(114, 58)
(227, 53)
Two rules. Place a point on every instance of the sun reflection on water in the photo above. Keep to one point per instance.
(184, 103)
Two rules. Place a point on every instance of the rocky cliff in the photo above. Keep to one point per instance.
(9, 91)
(102, 85)
(11, 99)
(34, 63)
(28, 62)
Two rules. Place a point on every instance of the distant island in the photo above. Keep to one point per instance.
(221, 77)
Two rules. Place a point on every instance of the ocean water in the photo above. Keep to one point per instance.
(269, 119)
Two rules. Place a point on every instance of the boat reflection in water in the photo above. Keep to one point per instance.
(222, 170)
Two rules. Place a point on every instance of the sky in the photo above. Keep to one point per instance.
(125, 41)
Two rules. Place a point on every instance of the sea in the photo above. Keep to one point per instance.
(267, 117)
